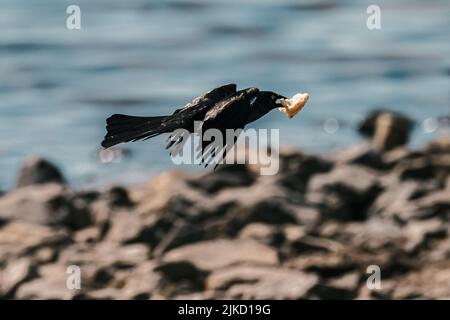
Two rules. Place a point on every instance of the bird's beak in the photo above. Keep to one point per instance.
(293, 106)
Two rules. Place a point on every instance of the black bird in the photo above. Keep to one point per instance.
(221, 108)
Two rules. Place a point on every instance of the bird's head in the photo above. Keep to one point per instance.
(288, 106)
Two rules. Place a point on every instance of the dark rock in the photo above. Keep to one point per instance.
(297, 169)
(418, 169)
(325, 264)
(345, 193)
(49, 204)
(118, 196)
(342, 287)
(226, 176)
(38, 171)
(270, 211)
(387, 130)
(363, 155)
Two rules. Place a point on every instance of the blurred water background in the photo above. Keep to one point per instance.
(150, 57)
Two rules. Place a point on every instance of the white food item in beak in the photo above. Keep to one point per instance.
(292, 106)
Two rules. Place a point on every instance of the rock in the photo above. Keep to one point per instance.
(100, 294)
(296, 170)
(105, 255)
(441, 144)
(142, 282)
(276, 285)
(88, 235)
(50, 284)
(418, 233)
(15, 273)
(342, 287)
(387, 130)
(396, 200)
(38, 171)
(416, 169)
(21, 237)
(307, 216)
(270, 211)
(129, 227)
(118, 197)
(345, 193)
(226, 176)
(375, 234)
(260, 232)
(435, 204)
(49, 204)
(364, 155)
(429, 283)
(211, 255)
(323, 263)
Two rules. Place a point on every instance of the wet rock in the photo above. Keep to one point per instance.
(38, 171)
(387, 130)
(345, 193)
(49, 205)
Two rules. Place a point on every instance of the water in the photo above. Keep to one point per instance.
(149, 57)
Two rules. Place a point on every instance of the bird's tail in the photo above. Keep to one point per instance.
(123, 128)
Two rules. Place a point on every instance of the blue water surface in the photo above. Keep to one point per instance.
(57, 86)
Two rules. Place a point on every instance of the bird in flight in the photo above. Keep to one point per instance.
(221, 108)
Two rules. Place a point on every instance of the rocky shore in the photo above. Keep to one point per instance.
(313, 231)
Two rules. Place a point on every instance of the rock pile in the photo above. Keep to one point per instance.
(312, 231)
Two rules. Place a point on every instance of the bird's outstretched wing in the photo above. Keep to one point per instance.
(214, 95)
(195, 111)
(123, 128)
(231, 113)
